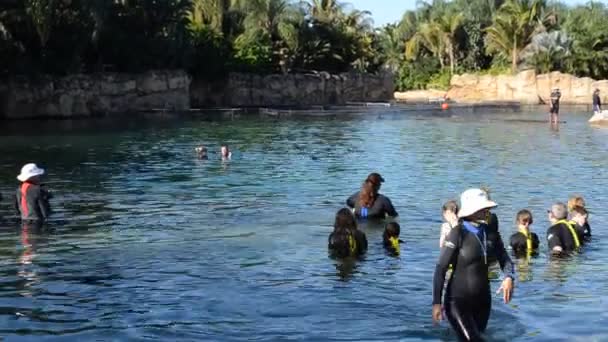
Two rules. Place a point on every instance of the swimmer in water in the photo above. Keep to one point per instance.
(346, 240)
(225, 152)
(201, 152)
(467, 298)
(562, 237)
(32, 199)
(390, 238)
(579, 216)
(449, 212)
(579, 201)
(554, 104)
(524, 242)
(369, 203)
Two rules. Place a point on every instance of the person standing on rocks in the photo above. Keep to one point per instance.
(554, 104)
(597, 103)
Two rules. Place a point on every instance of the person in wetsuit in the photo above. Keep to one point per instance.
(554, 104)
(524, 242)
(468, 299)
(346, 240)
(390, 238)
(579, 201)
(369, 203)
(562, 237)
(579, 216)
(597, 103)
(32, 200)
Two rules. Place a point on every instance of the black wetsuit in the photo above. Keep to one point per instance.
(519, 244)
(32, 202)
(555, 96)
(381, 207)
(597, 103)
(560, 235)
(341, 247)
(468, 299)
(586, 228)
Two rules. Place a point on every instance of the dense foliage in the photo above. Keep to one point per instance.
(207, 37)
(212, 37)
(489, 35)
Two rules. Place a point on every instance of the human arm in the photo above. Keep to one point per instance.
(507, 267)
(447, 256)
(352, 200)
(554, 241)
(389, 209)
(43, 204)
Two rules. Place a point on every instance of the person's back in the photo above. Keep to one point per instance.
(562, 236)
(597, 103)
(346, 240)
(524, 242)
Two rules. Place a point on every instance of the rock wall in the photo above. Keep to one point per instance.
(292, 90)
(526, 87)
(95, 95)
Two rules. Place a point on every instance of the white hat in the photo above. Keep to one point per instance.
(28, 171)
(472, 201)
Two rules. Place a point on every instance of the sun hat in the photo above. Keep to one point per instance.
(474, 200)
(28, 171)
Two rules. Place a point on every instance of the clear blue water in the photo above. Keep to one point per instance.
(147, 242)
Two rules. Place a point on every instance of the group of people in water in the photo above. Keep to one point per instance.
(469, 243)
(202, 152)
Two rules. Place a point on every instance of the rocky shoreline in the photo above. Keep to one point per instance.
(526, 88)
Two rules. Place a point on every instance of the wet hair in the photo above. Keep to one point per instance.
(575, 200)
(376, 180)
(339, 242)
(579, 210)
(523, 214)
(367, 195)
(392, 229)
(450, 206)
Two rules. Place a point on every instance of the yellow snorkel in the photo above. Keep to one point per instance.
(394, 243)
(352, 245)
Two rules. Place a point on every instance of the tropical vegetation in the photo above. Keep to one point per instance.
(210, 38)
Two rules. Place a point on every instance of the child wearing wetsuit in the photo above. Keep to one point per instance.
(579, 216)
(562, 237)
(346, 240)
(32, 200)
(449, 212)
(468, 298)
(579, 201)
(390, 238)
(524, 242)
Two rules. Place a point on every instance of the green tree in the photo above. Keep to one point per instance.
(513, 27)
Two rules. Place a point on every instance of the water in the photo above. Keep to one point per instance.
(147, 242)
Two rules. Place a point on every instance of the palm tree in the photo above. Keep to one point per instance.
(446, 27)
(548, 51)
(392, 45)
(513, 27)
(276, 21)
(325, 10)
(209, 13)
(428, 37)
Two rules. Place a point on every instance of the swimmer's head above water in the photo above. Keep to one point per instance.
(225, 152)
(390, 237)
(579, 215)
(201, 151)
(558, 212)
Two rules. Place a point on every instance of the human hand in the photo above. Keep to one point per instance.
(437, 314)
(507, 289)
